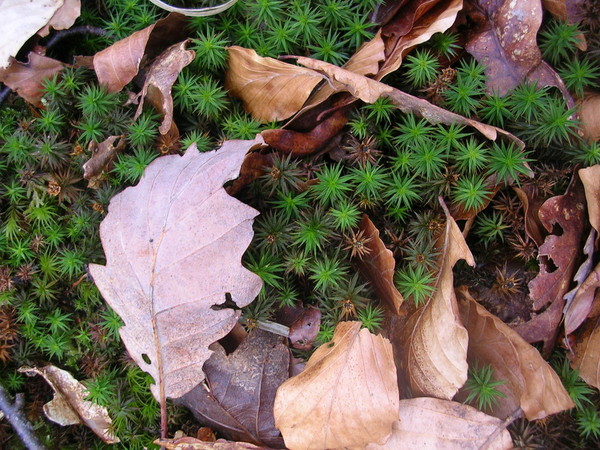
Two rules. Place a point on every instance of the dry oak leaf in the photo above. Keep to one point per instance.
(587, 353)
(431, 423)
(69, 407)
(160, 78)
(26, 78)
(431, 348)
(379, 266)
(507, 45)
(347, 396)
(530, 382)
(237, 397)
(116, 65)
(270, 89)
(173, 247)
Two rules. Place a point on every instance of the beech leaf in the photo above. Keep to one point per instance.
(103, 155)
(432, 346)
(589, 117)
(590, 178)
(347, 395)
(237, 399)
(173, 247)
(431, 423)
(587, 353)
(530, 382)
(270, 89)
(69, 407)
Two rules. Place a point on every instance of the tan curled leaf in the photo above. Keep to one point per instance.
(160, 78)
(589, 117)
(431, 423)
(587, 353)
(432, 345)
(530, 382)
(270, 89)
(590, 178)
(26, 78)
(173, 247)
(190, 443)
(21, 19)
(116, 65)
(347, 396)
(103, 155)
(378, 267)
(63, 18)
(69, 407)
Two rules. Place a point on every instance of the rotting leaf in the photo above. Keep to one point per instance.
(347, 396)
(160, 78)
(431, 347)
(587, 353)
(379, 267)
(26, 78)
(431, 423)
(173, 247)
(270, 89)
(238, 394)
(69, 407)
(529, 381)
(103, 155)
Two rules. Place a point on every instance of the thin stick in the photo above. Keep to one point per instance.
(15, 417)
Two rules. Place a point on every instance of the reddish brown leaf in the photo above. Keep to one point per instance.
(530, 382)
(26, 78)
(532, 203)
(347, 396)
(237, 399)
(304, 324)
(116, 65)
(173, 247)
(431, 423)
(253, 167)
(587, 353)
(103, 155)
(379, 267)
(507, 45)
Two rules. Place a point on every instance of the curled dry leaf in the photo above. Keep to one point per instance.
(160, 78)
(532, 202)
(431, 348)
(190, 443)
(589, 117)
(116, 65)
(173, 247)
(431, 423)
(304, 324)
(347, 396)
(590, 178)
(69, 407)
(26, 78)
(103, 155)
(270, 89)
(64, 17)
(237, 399)
(587, 353)
(379, 267)
(530, 382)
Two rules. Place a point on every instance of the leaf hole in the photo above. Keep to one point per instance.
(548, 264)
(227, 304)
(146, 358)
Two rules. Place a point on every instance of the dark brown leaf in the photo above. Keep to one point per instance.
(304, 324)
(237, 399)
(587, 353)
(103, 155)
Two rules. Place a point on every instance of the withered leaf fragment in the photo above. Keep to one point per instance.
(103, 155)
(587, 353)
(238, 394)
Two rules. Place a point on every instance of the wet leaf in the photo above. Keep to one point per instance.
(270, 89)
(431, 348)
(587, 353)
(379, 267)
(431, 423)
(173, 246)
(347, 396)
(103, 155)
(26, 78)
(530, 382)
(238, 394)
(69, 407)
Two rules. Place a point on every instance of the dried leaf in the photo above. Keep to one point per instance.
(589, 117)
(590, 178)
(270, 89)
(26, 78)
(304, 324)
(507, 45)
(587, 353)
(21, 19)
(173, 246)
(237, 399)
(431, 348)
(103, 155)
(431, 423)
(69, 407)
(379, 267)
(347, 396)
(116, 65)
(530, 382)
(190, 443)
(64, 17)
(532, 202)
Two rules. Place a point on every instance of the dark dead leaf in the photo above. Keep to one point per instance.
(304, 324)
(237, 399)
(103, 155)
(532, 202)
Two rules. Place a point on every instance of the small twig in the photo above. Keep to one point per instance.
(500, 428)
(21, 425)
(82, 29)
